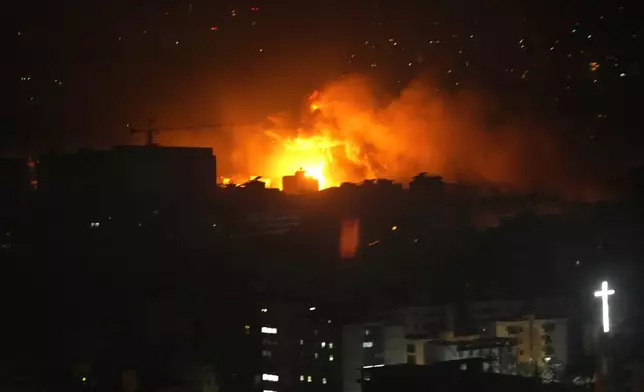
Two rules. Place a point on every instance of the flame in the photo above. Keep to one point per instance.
(316, 150)
(348, 133)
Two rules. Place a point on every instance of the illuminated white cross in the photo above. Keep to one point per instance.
(604, 293)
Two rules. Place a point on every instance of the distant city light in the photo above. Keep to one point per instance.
(264, 310)
(269, 331)
(331, 358)
(312, 308)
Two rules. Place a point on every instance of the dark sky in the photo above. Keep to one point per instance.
(80, 70)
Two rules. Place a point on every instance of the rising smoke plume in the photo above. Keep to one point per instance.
(348, 132)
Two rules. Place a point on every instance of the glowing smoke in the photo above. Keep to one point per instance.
(359, 135)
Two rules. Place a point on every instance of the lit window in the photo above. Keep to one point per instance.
(367, 332)
(316, 355)
(264, 310)
(394, 227)
(323, 344)
(270, 377)
(330, 358)
(330, 344)
(268, 390)
(367, 344)
(323, 380)
(302, 377)
(266, 353)
(268, 330)
(312, 308)
(309, 379)
(301, 342)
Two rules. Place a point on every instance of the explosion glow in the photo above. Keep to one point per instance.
(347, 132)
(317, 150)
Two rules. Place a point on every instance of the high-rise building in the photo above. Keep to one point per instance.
(137, 173)
(292, 347)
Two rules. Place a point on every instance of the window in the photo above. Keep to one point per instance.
(264, 310)
(323, 344)
(513, 329)
(267, 353)
(330, 345)
(301, 377)
(270, 377)
(411, 359)
(367, 332)
(549, 350)
(316, 355)
(269, 330)
(549, 327)
(521, 352)
(323, 380)
(547, 339)
(367, 344)
(330, 358)
(309, 379)
(301, 342)
(411, 348)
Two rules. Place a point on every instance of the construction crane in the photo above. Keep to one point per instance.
(150, 131)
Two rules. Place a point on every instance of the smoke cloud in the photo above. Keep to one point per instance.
(359, 134)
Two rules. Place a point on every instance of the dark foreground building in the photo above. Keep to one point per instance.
(453, 376)
(134, 173)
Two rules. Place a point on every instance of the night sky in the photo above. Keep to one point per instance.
(80, 70)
